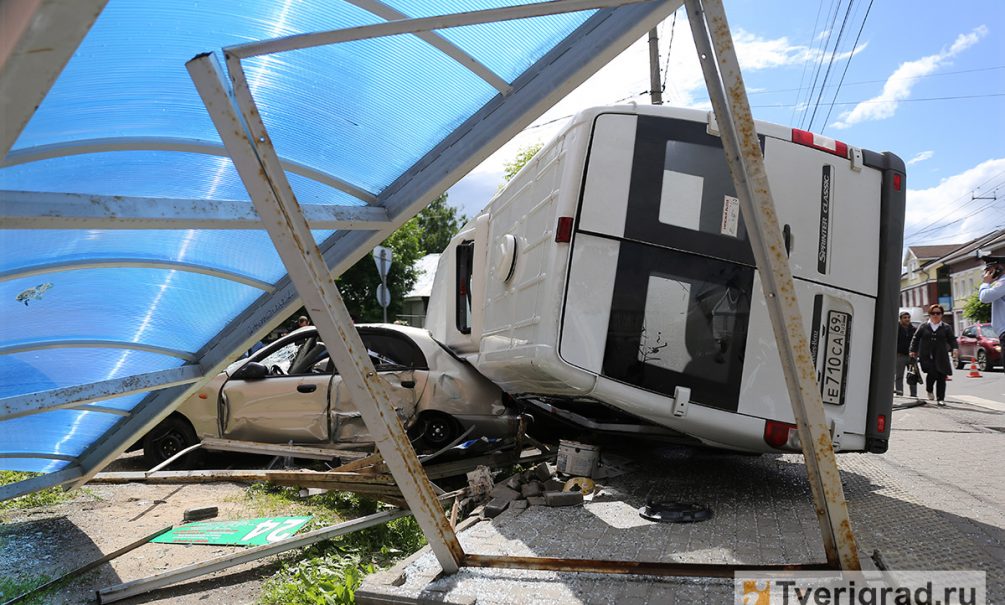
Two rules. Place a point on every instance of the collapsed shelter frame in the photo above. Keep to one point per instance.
(233, 110)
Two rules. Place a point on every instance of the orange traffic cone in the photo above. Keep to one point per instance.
(974, 373)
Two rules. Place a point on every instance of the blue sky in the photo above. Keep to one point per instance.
(910, 58)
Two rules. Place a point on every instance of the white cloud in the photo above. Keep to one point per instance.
(756, 52)
(921, 157)
(947, 214)
(898, 86)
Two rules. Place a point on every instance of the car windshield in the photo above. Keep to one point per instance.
(988, 332)
(282, 357)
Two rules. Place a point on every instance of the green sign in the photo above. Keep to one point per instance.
(244, 532)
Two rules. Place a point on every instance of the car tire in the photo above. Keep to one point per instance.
(438, 430)
(982, 361)
(168, 438)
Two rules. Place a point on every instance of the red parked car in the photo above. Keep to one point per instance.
(980, 343)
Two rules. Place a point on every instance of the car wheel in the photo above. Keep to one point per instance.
(438, 430)
(982, 361)
(168, 438)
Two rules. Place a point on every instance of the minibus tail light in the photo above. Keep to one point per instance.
(881, 423)
(816, 141)
(563, 234)
(896, 182)
(776, 434)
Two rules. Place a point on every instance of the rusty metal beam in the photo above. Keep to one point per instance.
(644, 568)
(240, 126)
(746, 165)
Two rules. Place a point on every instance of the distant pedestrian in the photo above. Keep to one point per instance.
(303, 321)
(993, 292)
(905, 333)
(932, 345)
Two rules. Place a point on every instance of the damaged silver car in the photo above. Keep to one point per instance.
(290, 391)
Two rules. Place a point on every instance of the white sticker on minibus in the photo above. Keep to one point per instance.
(730, 216)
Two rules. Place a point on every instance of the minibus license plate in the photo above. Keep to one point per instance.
(835, 357)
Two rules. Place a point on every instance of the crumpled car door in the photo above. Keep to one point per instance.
(406, 387)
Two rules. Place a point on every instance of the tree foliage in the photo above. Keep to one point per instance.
(975, 310)
(438, 224)
(522, 157)
(428, 232)
(358, 285)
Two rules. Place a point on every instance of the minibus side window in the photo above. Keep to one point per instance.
(465, 262)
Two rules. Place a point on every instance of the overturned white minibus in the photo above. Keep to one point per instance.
(615, 272)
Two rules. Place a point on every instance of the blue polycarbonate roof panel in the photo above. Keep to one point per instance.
(507, 47)
(161, 174)
(62, 432)
(128, 76)
(47, 369)
(392, 116)
(163, 308)
(365, 104)
(248, 253)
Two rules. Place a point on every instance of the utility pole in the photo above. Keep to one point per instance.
(655, 87)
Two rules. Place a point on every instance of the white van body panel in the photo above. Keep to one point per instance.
(559, 320)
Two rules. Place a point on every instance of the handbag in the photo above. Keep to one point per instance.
(913, 374)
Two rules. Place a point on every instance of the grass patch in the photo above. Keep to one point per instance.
(329, 573)
(45, 497)
(12, 587)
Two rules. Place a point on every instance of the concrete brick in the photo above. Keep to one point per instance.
(495, 507)
(518, 505)
(553, 485)
(536, 501)
(504, 493)
(542, 472)
(563, 498)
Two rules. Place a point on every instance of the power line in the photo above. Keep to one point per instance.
(830, 63)
(823, 53)
(802, 76)
(934, 225)
(962, 218)
(847, 63)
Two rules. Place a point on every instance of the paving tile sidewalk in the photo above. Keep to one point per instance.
(935, 501)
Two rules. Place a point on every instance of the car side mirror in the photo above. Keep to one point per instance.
(251, 371)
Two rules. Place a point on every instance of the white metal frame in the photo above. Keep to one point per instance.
(251, 150)
(135, 263)
(37, 38)
(78, 396)
(45, 210)
(176, 144)
(88, 343)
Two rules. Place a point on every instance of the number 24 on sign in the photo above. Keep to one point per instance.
(276, 530)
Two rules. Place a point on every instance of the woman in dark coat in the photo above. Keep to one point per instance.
(931, 345)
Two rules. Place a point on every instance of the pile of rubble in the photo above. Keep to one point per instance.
(538, 486)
